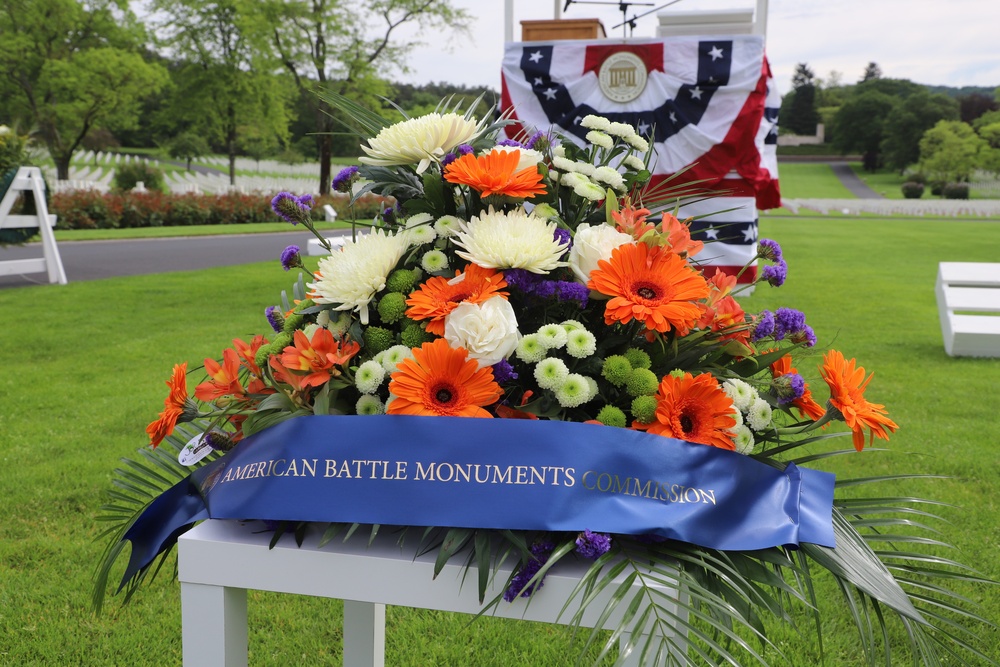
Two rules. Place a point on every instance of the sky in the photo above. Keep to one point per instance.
(941, 42)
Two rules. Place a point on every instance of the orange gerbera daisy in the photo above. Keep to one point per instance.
(442, 381)
(694, 409)
(438, 296)
(632, 221)
(223, 379)
(805, 404)
(173, 406)
(494, 174)
(679, 236)
(318, 357)
(650, 285)
(847, 388)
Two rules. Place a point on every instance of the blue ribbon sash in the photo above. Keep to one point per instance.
(495, 473)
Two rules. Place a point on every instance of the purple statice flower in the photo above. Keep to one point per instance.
(503, 372)
(535, 138)
(563, 237)
(541, 552)
(769, 250)
(345, 178)
(571, 291)
(306, 201)
(510, 142)
(788, 387)
(805, 335)
(290, 208)
(593, 545)
(275, 318)
(219, 440)
(763, 325)
(290, 257)
(775, 274)
(448, 159)
(788, 321)
(389, 216)
(546, 289)
(464, 149)
(521, 279)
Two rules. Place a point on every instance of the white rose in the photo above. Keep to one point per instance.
(488, 330)
(529, 157)
(592, 244)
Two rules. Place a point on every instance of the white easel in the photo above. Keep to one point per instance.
(29, 179)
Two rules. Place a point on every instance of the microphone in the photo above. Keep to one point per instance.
(568, 3)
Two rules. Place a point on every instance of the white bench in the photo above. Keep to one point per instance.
(219, 560)
(29, 180)
(968, 298)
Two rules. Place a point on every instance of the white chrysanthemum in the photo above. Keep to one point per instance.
(592, 387)
(394, 356)
(743, 438)
(434, 261)
(351, 277)
(338, 327)
(610, 176)
(369, 377)
(592, 122)
(600, 139)
(572, 325)
(742, 394)
(552, 336)
(638, 143)
(759, 415)
(515, 240)
(559, 151)
(580, 343)
(563, 164)
(623, 130)
(551, 373)
(738, 416)
(369, 405)
(421, 235)
(447, 225)
(590, 191)
(310, 329)
(574, 391)
(545, 211)
(584, 168)
(420, 140)
(634, 163)
(418, 220)
(529, 157)
(530, 350)
(572, 179)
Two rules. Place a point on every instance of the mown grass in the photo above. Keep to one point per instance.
(84, 367)
(810, 180)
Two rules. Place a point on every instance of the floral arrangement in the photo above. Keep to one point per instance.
(544, 280)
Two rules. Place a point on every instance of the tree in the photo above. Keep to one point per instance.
(226, 84)
(801, 116)
(989, 155)
(74, 68)
(859, 123)
(975, 105)
(906, 124)
(187, 146)
(949, 151)
(348, 48)
(872, 72)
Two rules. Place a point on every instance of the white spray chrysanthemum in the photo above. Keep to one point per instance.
(633, 163)
(420, 140)
(552, 336)
(551, 373)
(742, 394)
(574, 391)
(434, 261)
(514, 240)
(592, 387)
(351, 277)
(580, 343)
(369, 377)
(572, 179)
(593, 122)
(571, 325)
(369, 405)
(759, 415)
(743, 438)
(600, 139)
(447, 225)
(623, 130)
(638, 143)
(530, 349)
(610, 176)
(395, 356)
(590, 191)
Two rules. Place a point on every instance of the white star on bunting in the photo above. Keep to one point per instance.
(535, 57)
(716, 53)
(750, 234)
(712, 234)
(696, 93)
(550, 94)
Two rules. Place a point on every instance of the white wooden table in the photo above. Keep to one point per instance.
(219, 560)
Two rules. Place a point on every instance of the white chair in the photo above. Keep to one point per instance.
(29, 180)
(968, 299)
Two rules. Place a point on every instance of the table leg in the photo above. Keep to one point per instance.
(214, 626)
(364, 634)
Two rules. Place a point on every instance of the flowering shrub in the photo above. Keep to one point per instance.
(87, 209)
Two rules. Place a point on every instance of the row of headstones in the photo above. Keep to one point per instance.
(909, 207)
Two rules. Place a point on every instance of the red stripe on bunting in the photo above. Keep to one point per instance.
(746, 277)
(650, 54)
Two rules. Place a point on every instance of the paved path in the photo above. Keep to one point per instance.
(851, 181)
(94, 260)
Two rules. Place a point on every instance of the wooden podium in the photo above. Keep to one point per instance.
(219, 560)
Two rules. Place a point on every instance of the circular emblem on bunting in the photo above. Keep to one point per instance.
(622, 76)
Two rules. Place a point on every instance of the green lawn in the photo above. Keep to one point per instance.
(809, 180)
(84, 367)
